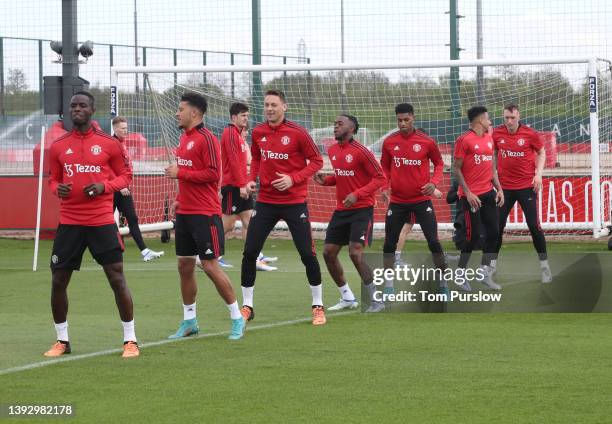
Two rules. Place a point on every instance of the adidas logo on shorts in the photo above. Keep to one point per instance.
(208, 251)
(303, 215)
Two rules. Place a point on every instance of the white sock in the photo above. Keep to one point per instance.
(189, 311)
(544, 264)
(260, 256)
(372, 288)
(129, 335)
(493, 263)
(398, 255)
(317, 295)
(346, 293)
(389, 282)
(234, 310)
(247, 295)
(144, 251)
(62, 331)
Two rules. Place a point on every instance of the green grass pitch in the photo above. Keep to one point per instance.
(404, 368)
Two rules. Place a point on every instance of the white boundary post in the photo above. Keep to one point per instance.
(594, 127)
(39, 197)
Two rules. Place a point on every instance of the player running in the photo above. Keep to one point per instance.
(474, 170)
(406, 158)
(199, 230)
(87, 166)
(520, 162)
(357, 176)
(237, 202)
(284, 158)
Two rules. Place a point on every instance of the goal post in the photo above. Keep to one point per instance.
(567, 99)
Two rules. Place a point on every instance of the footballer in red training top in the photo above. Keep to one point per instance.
(284, 158)
(477, 177)
(406, 159)
(357, 176)
(520, 162)
(87, 166)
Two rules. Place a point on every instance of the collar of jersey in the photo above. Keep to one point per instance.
(86, 134)
(276, 127)
(194, 129)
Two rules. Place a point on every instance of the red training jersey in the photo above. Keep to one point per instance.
(406, 161)
(516, 156)
(81, 159)
(477, 154)
(287, 149)
(198, 157)
(355, 171)
(234, 152)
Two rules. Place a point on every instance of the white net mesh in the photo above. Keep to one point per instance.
(554, 99)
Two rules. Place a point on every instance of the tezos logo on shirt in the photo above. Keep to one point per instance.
(184, 162)
(478, 159)
(96, 150)
(80, 169)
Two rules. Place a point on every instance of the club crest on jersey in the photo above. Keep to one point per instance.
(416, 147)
(96, 150)
(520, 142)
(190, 145)
(285, 140)
(348, 158)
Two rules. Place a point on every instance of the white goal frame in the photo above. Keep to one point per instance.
(596, 225)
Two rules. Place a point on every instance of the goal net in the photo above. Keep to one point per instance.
(569, 101)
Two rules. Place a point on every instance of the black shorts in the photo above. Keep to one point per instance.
(200, 235)
(353, 226)
(103, 241)
(232, 203)
(400, 214)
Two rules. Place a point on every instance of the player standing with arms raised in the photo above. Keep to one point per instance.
(284, 158)
(87, 166)
(357, 176)
(520, 162)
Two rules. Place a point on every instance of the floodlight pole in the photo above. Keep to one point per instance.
(454, 55)
(257, 88)
(343, 99)
(70, 64)
(480, 88)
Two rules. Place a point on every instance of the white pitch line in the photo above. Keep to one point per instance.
(69, 358)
